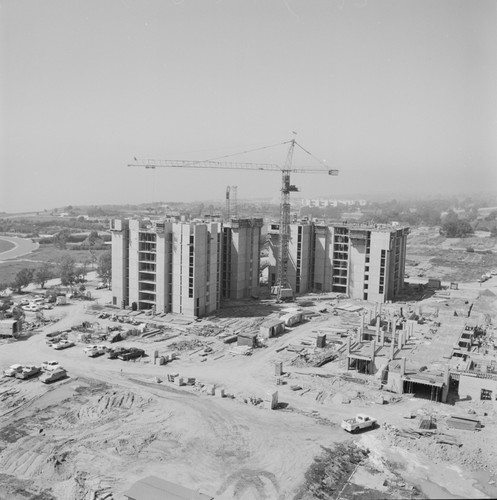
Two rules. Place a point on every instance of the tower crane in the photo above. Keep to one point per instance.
(282, 286)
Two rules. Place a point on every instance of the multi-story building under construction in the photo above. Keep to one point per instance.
(184, 267)
(363, 261)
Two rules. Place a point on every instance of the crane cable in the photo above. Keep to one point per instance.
(248, 151)
(267, 147)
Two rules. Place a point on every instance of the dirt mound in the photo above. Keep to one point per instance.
(331, 471)
(107, 404)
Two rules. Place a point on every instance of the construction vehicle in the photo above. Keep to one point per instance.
(361, 421)
(282, 290)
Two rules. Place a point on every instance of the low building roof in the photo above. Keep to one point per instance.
(155, 488)
(272, 322)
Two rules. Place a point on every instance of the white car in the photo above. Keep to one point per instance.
(90, 348)
(12, 370)
(31, 308)
(63, 344)
(50, 366)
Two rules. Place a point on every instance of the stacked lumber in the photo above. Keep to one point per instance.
(467, 424)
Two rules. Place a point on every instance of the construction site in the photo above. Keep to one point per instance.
(187, 379)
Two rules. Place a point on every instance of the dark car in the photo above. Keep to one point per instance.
(115, 352)
(132, 353)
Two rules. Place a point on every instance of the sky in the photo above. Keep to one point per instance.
(398, 95)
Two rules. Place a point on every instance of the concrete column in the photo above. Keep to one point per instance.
(360, 334)
(401, 340)
(445, 388)
(379, 312)
(376, 310)
(362, 320)
(378, 328)
(389, 326)
(382, 338)
(348, 352)
(392, 347)
(373, 353)
(370, 316)
(402, 366)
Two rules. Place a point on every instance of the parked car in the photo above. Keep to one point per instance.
(114, 352)
(31, 308)
(101, 285)
(50, 366)
(28, 372)
(24, 302)
(96, 350)
(58, 374)
(12, 370)
(132, 353)
(89, 348)
(361, 421)
(63, 344)
(53, 334)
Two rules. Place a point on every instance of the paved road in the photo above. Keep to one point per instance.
(22, 246)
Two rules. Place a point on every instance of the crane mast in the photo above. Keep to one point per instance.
(283, 289)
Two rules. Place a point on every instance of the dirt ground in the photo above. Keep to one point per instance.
(111, 423)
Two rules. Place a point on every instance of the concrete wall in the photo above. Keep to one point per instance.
(323, 255)
(472, 386)
(134, 232)
(119, 251)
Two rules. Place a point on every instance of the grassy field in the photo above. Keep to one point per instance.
(46, 253)
(5, 245)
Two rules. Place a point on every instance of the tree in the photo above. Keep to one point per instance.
(457, 229)
(22, 279)
(93, 238)
(43, 274)
(61, 238)
(81, 271)
(67, 270)
(104, 269)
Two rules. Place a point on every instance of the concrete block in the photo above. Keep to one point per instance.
(272, 400)
(278, 369)
(179, 381)
(219, 391)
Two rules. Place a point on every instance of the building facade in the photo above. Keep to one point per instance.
(362, 261)
(240, 258)
(183, 267)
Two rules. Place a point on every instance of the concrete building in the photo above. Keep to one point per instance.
(362, 261)
(183, 267)
(240, 261)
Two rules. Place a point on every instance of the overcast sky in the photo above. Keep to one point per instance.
(398, 95)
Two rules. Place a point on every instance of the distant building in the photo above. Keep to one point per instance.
(363, 261)
(184, 267)
(323, 203)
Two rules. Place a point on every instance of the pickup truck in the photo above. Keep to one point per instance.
(131, 353)
(361, 421)
(12, 370)
(28, 372)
